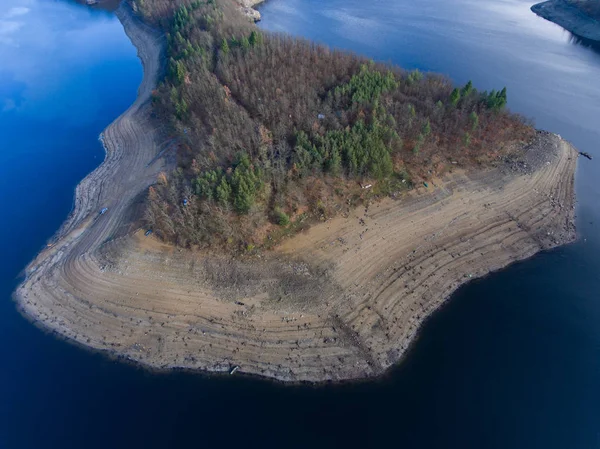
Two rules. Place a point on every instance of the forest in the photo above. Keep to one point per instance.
(276, 132)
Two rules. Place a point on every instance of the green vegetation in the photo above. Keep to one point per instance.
(237, 188)
(496, 100)
(274, 130)
(281, 218)
(367, 85)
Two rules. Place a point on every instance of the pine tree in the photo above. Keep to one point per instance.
(180, 72)
(467, 139)
(255, 39)
(426, 129)
(334, 164)
(467, 89)
(474, 119)
(245, 43)
(455, 97)
(224, 46)
(223, 192)
(281, 217)
(244, 195)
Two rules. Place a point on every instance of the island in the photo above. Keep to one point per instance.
(580, 17)
(269, 206)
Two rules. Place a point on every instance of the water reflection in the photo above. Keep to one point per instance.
(588, 43)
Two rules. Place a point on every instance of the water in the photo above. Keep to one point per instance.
(513, 361)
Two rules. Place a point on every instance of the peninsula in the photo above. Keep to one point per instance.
(272, 207)
(580, 17)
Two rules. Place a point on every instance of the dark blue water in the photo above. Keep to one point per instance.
(513, 361)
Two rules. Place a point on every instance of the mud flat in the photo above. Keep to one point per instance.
(570, 18)
(342, 301)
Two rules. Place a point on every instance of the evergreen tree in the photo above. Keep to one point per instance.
(474, 119)
(281, 217)
(426, 128)
(467, 139)
(180, 73)
(244, 195)
(334, 164)
(245, 43)
(496, 100)
(224, 46)
(467, 89)
(181, 109)
(455, 97)
(414, 77)
(255, 39)
(418, 144)
(412, 113)
(223, 192)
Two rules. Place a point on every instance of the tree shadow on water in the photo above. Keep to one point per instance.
(584, 42)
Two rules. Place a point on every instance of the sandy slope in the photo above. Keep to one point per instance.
(339, 302)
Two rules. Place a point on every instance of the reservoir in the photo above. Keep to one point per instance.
(512, 361)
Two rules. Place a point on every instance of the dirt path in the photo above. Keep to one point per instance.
(342, 301)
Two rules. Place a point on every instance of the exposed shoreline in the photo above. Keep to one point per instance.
(248, 8)
(570, 18)
(343, 301)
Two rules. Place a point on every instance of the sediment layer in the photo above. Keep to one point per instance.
(342, 301)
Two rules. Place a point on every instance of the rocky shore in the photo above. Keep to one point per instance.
(343, 301)
(570, 18)
(248, 8)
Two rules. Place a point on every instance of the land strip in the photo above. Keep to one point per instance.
(342, 301)
(569, 17)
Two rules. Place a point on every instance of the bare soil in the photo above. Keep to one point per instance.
(341, 301)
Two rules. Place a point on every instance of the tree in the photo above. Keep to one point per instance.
(474, 119)
(414, 77)
(467, 139)
(180, 72)
(255, 39)
(496, 100)
(418, 144)
(455, 97)
(244, 196)
(412, 113)
(426, 128)
(223, 192)
(467, 89)
(245, 43)
(334, 163)
(281, 217)
(181, 109)
(224, 46)
(246, 183)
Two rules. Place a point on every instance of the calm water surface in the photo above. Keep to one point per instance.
(513, 361)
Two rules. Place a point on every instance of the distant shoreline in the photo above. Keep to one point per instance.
(570, 18)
